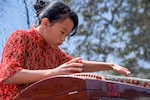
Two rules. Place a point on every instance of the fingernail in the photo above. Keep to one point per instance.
(128, 73)
(83, 65)
(80, 61)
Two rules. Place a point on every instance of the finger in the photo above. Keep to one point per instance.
(79, 65)
(128, 74)
(123, 71)
(78, 59)
(117, 67)
(75, 70)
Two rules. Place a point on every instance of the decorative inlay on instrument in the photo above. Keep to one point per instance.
(87, 86)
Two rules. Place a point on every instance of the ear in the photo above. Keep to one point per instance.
(45, 22)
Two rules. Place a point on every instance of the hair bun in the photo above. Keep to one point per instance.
(40, 4)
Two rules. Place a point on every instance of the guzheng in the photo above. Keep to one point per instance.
(87, 86)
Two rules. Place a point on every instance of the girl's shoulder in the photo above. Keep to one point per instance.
(20, 33)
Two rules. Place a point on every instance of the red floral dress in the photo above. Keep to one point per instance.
(26, 50)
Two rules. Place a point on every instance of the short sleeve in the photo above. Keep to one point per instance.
(64, 57)
(13, 55)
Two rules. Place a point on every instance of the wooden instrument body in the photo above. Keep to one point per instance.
(75, 88)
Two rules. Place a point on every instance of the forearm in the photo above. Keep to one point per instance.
(90, 66)
(29, 76)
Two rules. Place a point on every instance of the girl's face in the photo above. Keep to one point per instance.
(55, 34)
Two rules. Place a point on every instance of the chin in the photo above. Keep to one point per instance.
(55, 46)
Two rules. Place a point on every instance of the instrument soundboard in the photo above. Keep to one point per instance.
(87, 86)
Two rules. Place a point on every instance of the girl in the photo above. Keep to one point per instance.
(32, 55)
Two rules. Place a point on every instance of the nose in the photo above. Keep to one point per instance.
(63, 38)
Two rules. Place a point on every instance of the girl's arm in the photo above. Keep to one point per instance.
(29, 76)
(90, 66)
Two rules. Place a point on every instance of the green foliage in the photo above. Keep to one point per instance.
(119, 28)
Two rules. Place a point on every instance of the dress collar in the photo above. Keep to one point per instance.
(37, 37)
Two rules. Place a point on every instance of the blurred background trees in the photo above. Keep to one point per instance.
(109, 30)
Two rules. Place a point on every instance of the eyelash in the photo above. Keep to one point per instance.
(62, 32)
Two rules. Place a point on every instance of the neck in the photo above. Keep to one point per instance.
(39, 31)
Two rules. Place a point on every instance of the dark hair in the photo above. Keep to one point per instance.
(56, 11)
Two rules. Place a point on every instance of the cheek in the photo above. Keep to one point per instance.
(47, 37)
(51, 38)
(54, 35)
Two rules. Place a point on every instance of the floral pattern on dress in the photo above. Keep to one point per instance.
(26, 50)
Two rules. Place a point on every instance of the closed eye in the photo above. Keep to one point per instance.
(62, 32)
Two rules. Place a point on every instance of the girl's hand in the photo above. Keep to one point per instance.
(73, 66)
(121, 70)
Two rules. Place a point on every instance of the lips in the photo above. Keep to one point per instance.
(59, 43)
